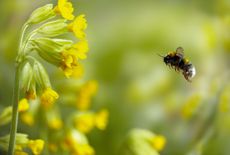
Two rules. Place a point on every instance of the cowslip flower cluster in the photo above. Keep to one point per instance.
(43, 33)
(24, 143)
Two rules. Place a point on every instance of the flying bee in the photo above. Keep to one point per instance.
(177, 61)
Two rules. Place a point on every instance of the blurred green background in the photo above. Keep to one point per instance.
(136, 86)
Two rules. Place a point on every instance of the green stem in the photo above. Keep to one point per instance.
(14, 122)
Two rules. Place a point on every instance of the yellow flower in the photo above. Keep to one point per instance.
(83, 149)
(36, 146)
(77, 143)
(65, 8)
(224, 101)
(101, 119)
(23, 105)
(55, 123)
(78, 26)
(27, 118)
(158, 142)
(78, 71)
(69, 62)
(92, 87)
(84, 122)
(48, 97)
(81, 49)
(85, 94)
(191, 106)
(83, 102)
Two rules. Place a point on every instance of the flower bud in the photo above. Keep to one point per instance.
(140, 141)
(49, 49)
(53, 28)
(41, 14)
(26, 76)
(41, 76)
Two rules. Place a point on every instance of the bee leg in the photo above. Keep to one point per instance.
(186, 77)
(177, 69)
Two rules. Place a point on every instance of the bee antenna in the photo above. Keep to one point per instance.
(160, 55)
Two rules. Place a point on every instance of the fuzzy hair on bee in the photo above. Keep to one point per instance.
(177, 61)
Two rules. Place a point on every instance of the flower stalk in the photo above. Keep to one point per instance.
(14, 122)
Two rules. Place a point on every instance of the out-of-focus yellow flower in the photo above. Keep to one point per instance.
(55, 123)
(101, 119)
(83, 149)
(81, 49)
(78, 26)
(20, 153)
(86, 92)
(69, 62)
(48, 97)
(77, 143)
(224, 101)
(23, 105)
(78, 71)
(191, 106)
(158, 142)
(36, 146)
(65, 8)
(84, 122)
(27, 118)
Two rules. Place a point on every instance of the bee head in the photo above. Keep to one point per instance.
(167, 59)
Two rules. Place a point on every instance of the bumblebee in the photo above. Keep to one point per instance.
(177, 61)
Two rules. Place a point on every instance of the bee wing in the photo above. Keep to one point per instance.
(180, 51)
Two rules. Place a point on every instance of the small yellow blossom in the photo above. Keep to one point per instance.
(83, 102)
(69, 62)
(83, 149)
(77, 143)
(27, 118)
(224, 101)
(78, 71)
(36, 146)
(191, 106)
(65, 8)
(86, 92)
(101, 119)
(48, 97)
(23, 105)
(55, 123)
(158, 142)
(81, 49)
(84, 122)
(78, 26)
